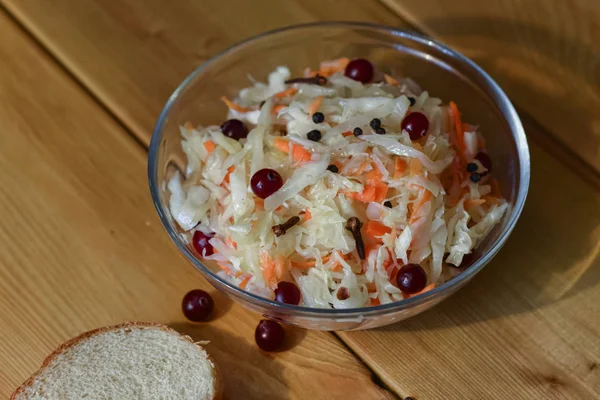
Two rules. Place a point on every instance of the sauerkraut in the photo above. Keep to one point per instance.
(425, 198)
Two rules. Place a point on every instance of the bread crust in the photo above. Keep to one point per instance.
(86, 335)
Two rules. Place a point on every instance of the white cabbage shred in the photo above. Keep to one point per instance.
(415, 199)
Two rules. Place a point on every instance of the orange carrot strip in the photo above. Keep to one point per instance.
(425, 197)
(278, 107)
(314, 106)
(312, 263)
(234, 106)
(473, 202)
(307, 215)
(348, 133)
(282, 145)
(245, 281)
(300, 154)
(366, 196)
(399, 167)
(337, 267)
(280, 263)
(230, 242)
(229, 171)
(415, 166)
(391, 80)
(375, 229)
(267, 266)
(491, 200)
(460, 134)
(427, 288)
(285, 93)
(375, 302)
(381, 190)
(210, 146)
(328, 68)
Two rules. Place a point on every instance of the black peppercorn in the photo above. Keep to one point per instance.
(380, 131)
(475, 177)
(412, 101)
(314, 135)
(318, 117)
(388, 204)
(471, 167)
(375, 123)
(357, 131)
(333, 169)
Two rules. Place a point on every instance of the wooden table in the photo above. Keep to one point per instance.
(81, 84)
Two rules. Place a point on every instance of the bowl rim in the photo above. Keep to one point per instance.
(503, 103)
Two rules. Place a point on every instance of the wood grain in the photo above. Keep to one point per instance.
(527, 326)
(544, 53)
(82, 247)
(132, 54)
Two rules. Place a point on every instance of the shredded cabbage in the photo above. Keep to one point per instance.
(415, 199)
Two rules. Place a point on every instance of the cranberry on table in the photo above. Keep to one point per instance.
(486, 161)
(201, 244)
(416, 124)
(235, 129)
(265, 182)
(287, 293)
(197, 305)
(411, 278)
(360, 70)
(269, 335)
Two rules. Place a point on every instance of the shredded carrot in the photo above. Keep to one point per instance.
(492, 200)
(366, 196)
(234, 106)
(229, 172)
(373, 176)
(314, 106)
(328, 68)
(278, 107)
(381, 190)
(473, 202)
(307, 215)
(425, 197)
(374, 229)
(371, 287)
(209, 145)
(427, 288)
(391, 80)
(362, 168)
(375, 302)
(259, 204)
(230, 242)
(300, 154)
(280, 267)
(347, 133)
(415, 166)
(282, 144)
(267, 265)
(285, 93)
(225, 268)
(399, 167)
(460, 134)
(188, 125)
(245, 281)
(337, 267)
(312, 263)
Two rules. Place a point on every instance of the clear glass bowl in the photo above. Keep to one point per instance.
(444, 72)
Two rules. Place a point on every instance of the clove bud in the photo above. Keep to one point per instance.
(280, 229)
(353, 225)
(316, 80)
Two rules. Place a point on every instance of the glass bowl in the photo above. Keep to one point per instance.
(437, 68)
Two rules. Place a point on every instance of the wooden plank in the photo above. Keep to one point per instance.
(544, 53)
(132, 54)
(527, 326)
(82, 246)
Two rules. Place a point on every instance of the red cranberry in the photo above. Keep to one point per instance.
(287, 293)
(269, 335)
(235, 129)
(197, 305)
(416, 124)
(486, 161)
(411, 278)
(360, 70)
(266, 182)
(201, 244)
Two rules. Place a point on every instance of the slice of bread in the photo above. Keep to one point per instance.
(135, 360)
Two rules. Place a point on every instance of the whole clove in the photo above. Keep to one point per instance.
(316, 80)
(281, 229)
(353, 225)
